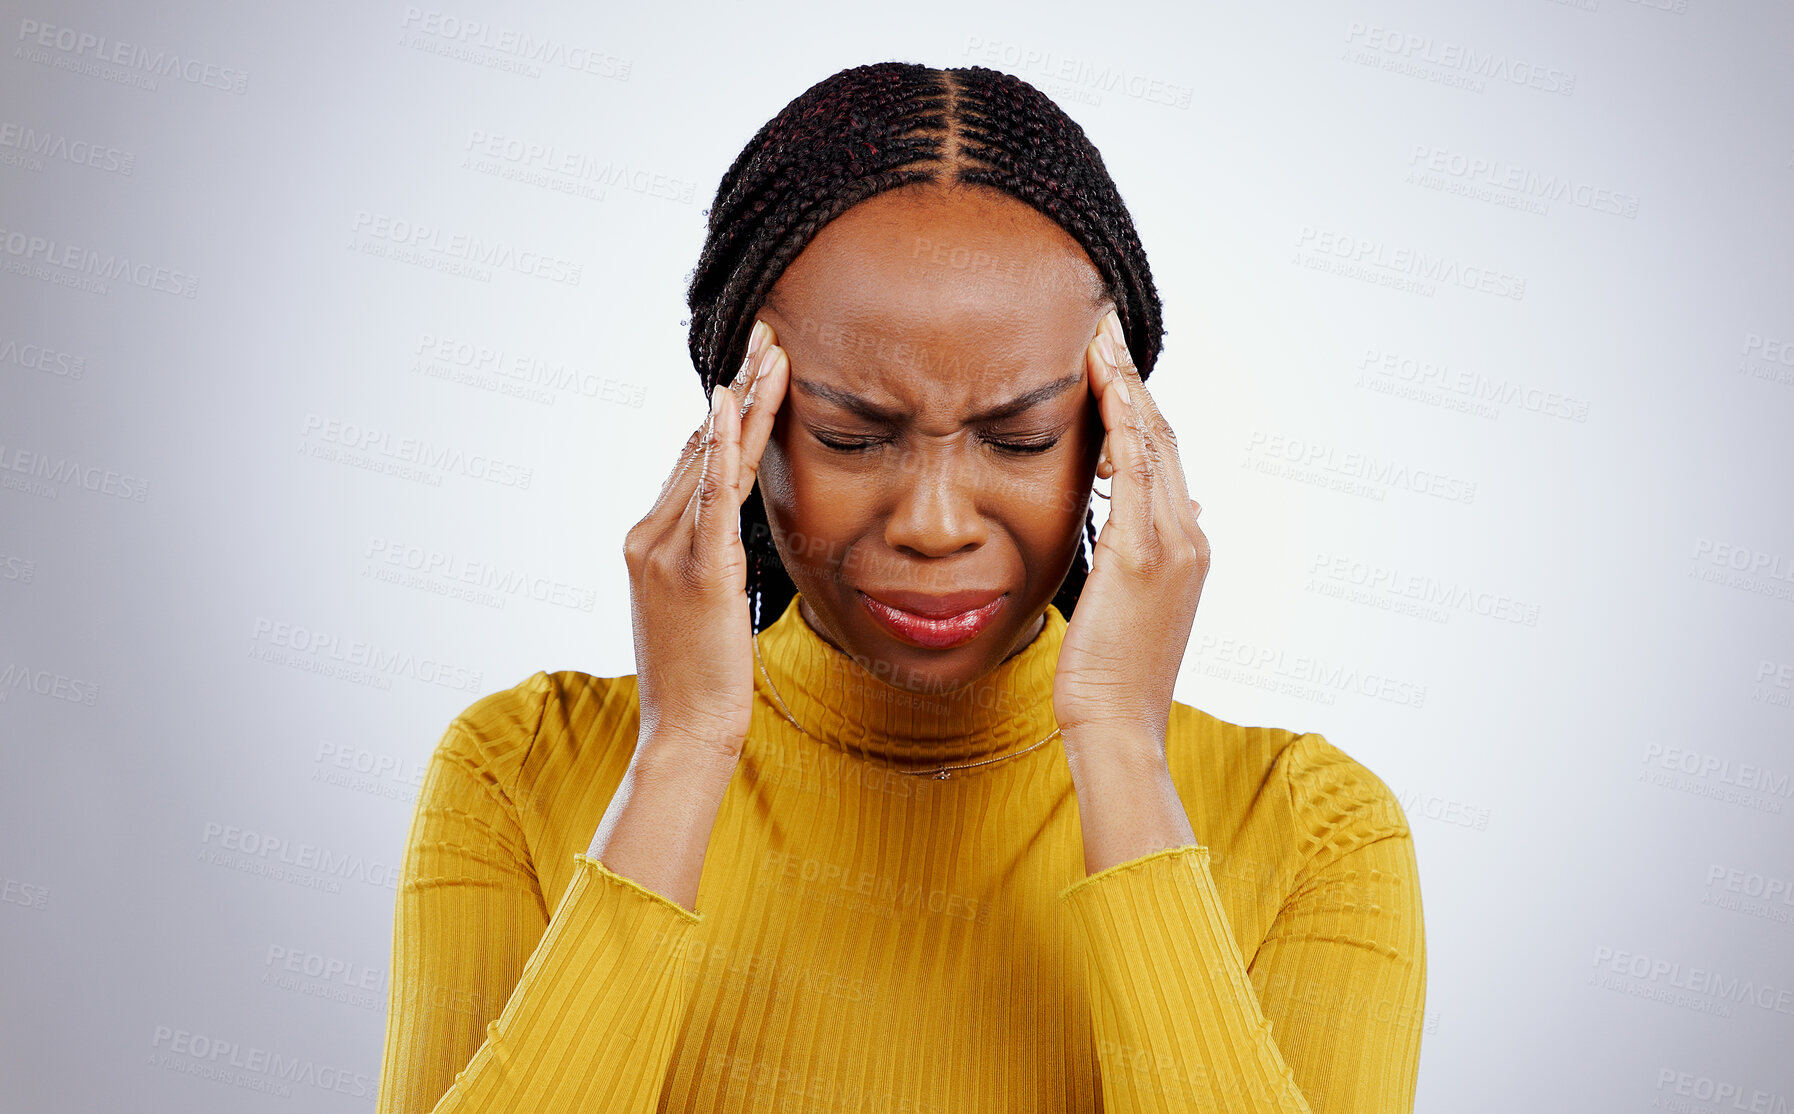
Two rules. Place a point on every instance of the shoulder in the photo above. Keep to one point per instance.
(1240, 778)
(505, 734)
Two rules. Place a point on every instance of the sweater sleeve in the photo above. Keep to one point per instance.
(1324, 1017)
(494, 1005)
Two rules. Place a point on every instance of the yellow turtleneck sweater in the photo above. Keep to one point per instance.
(866, 940)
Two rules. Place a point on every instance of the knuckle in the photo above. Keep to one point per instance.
(1155, 561)
(655, 561)
(635, 542)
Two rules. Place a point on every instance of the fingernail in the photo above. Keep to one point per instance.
(716, 400)
(750, 360)
(1120, 387)
(1107, 348)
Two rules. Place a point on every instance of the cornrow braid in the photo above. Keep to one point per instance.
(874, 128)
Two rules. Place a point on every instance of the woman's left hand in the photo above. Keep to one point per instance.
(1119, 662)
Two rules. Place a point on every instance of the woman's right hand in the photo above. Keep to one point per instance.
(694, 654)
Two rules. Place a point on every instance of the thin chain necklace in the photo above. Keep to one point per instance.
(940, 773)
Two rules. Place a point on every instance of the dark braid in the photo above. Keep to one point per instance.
(875, 128)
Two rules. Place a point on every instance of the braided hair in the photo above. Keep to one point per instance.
(874, 128)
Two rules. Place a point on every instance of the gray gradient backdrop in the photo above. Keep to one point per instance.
(1480, 351)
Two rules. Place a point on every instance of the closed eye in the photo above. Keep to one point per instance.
(1023, 447)
(864, 444)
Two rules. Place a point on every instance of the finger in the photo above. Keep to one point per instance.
(1153, 421)
(1156, 430)
(715, 512)
(675, 493)
(686, 455)
(758, 337)
(758, 409)
(1130, 493)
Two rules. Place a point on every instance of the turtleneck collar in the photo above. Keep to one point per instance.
(842, 705)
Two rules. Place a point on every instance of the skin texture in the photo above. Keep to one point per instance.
(930, 303)
(933, 306)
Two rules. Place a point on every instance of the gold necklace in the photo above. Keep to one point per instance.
(940, 773)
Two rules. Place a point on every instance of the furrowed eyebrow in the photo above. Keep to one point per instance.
(847, 400)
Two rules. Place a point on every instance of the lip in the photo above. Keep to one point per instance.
(934, 622)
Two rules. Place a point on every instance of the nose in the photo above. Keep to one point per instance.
(936, 509)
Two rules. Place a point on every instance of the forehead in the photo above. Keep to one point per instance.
(947, 294)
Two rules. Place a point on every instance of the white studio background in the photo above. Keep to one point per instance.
(1480, 348)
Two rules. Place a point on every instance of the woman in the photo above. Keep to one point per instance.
(922, 829)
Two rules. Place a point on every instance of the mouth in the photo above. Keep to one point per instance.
(934, 622)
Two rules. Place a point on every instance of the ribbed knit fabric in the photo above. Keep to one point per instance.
(866, 940)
